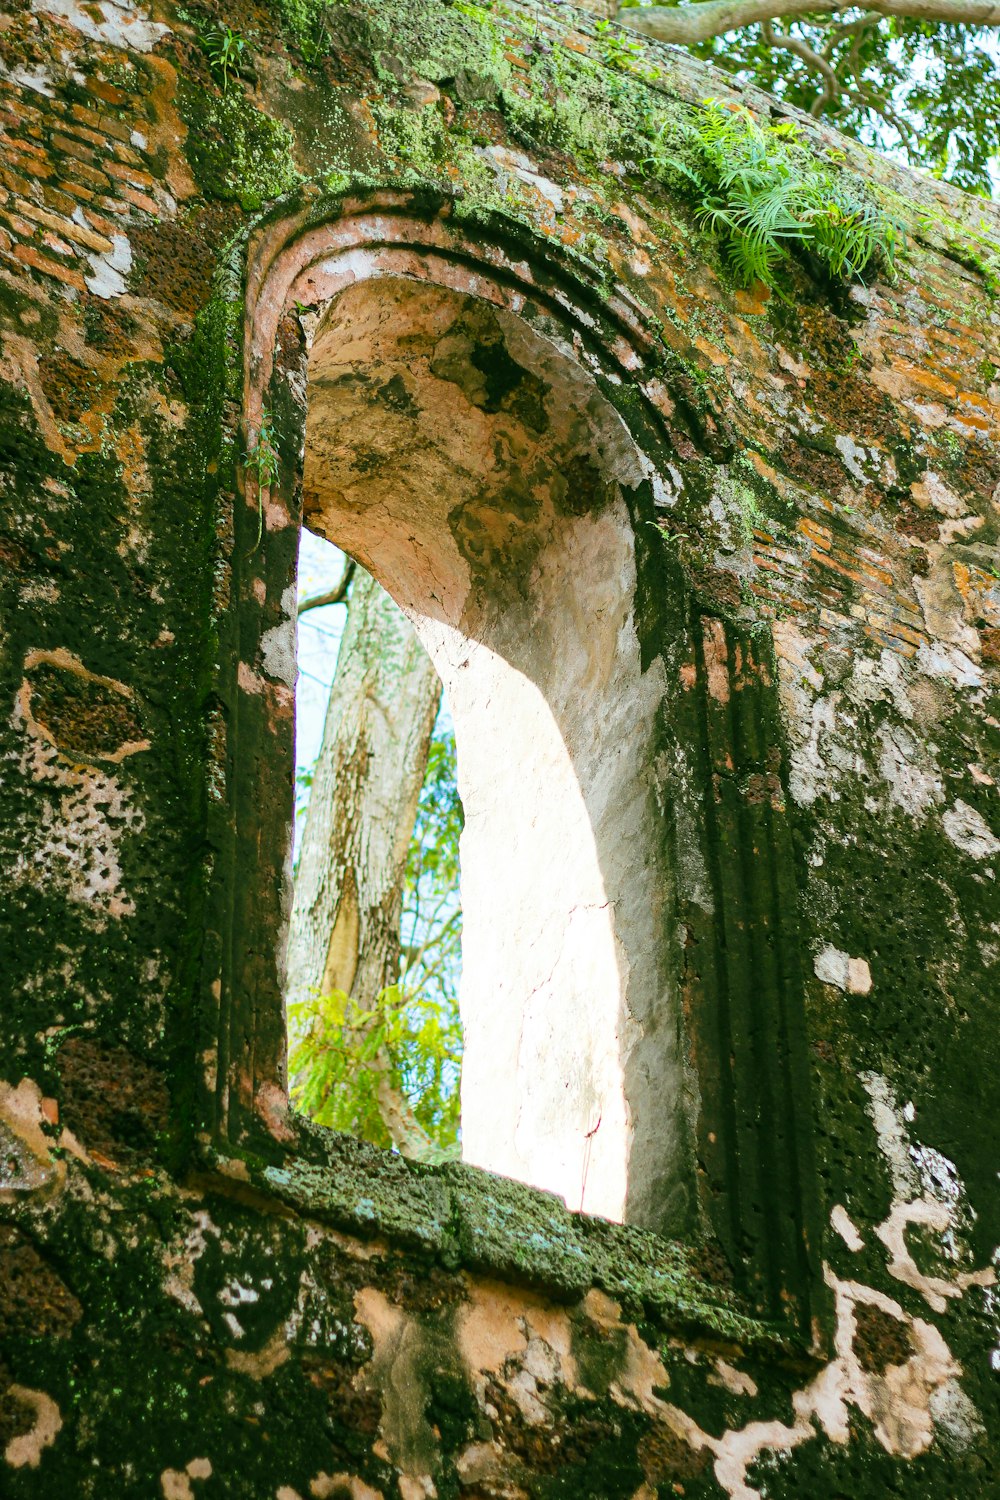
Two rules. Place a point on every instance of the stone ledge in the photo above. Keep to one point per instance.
(463, 1216)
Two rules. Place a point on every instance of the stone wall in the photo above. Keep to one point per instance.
(200, 1295)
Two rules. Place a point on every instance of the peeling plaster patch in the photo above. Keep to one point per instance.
(483, 1463)
(891, 1134)
(905, 1400)
(644, 1372)
(938, 659)
(277, 652)
(853, 456)
(912, 787)
(874, 680)
(489, 1331)
(76, 744)
(26, 1450)
(841, 1222)
(422, 1488)
(897, 1401)
(37, 81)
(326, 1485)
(936, 1290)
(832, 966)
(506, 161)
(73, 845)
(112, 21)
(396, 1366)
(248, 679)
(969, 831)
(927, 1191)
(955, 1416)
(943, 608)
(25, 1163)
(265, 1361)
(738, 1382)
(108, 268)
(931, 490)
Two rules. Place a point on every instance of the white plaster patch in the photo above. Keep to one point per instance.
(108, 268)
(833, 966)
(35, 79)
(927, 1192)
(853, 456)
(931, 490)
(524, 168)
(26, 1449)
(955, 1415)
(969, 831)
(843, 1224)
(913, 787)
(939, 659)
(114, 22)
(891, 1135)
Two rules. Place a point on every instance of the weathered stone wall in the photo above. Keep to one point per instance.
(197, 1295)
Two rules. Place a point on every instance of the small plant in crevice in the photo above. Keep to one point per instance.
(263, 462)
(617, 48)
(226, 53)
(262, 457)
(763, 192)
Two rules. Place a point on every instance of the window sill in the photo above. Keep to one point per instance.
(465, 1217)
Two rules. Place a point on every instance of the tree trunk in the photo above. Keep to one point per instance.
(347, 904)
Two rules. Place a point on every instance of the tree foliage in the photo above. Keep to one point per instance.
(925, 90)
(409, 1038)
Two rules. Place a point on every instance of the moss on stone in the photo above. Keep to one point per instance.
(237, 151)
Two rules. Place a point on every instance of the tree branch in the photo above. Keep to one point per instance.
(686, 25)
(801, 48)
(332, 596)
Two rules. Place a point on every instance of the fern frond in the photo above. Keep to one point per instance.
(760, 189)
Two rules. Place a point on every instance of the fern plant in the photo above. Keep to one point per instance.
(762, 191)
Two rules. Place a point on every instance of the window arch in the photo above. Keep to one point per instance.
(489, 441)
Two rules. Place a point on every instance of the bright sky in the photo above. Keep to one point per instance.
(320, 567)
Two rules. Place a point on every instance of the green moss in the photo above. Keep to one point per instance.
(236, 152)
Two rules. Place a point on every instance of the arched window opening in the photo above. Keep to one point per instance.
(471, 464)
(496, 438)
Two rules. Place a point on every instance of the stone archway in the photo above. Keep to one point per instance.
(701, 1050)
(478, 473)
